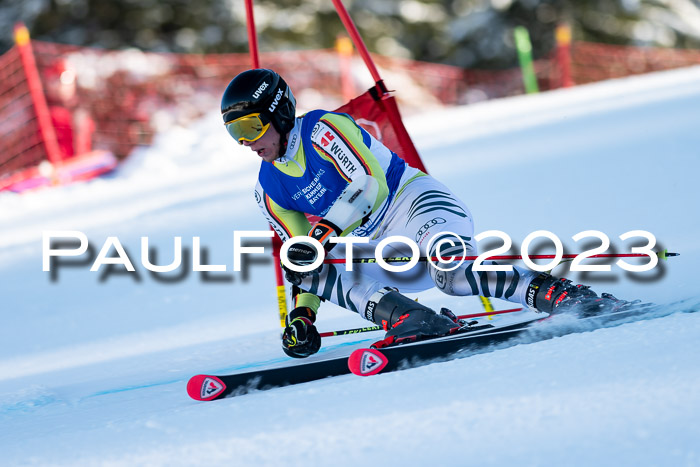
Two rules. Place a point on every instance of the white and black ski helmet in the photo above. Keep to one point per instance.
(260, 90)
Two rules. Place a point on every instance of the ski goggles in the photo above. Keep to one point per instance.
(250, 127)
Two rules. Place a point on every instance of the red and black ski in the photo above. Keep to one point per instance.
(367, 362)
(211, 387)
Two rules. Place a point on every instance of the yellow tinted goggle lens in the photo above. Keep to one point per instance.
(247, 128)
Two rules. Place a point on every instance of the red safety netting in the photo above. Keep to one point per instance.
(596, 62)
(21, 145)
(118, 100)
(131, 95)
(456, 86)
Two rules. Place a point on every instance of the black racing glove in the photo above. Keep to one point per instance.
(300, 338)
(303, 254)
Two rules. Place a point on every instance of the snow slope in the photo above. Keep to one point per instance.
(93, 365)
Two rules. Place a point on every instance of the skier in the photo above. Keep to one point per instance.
(324, 164)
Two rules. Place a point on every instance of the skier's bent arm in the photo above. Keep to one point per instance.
(288, 224)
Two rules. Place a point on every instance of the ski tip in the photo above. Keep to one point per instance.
(367, 362)
(205, 387)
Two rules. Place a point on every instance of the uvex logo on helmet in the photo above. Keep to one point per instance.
(260, 89)
(273, 106)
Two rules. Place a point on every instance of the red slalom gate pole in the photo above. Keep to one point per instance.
(384, 99)
(36, 94)
(345, 332)
(252, 37)
(280, 289)
(356, 39)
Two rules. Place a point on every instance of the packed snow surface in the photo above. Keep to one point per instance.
(93, 365)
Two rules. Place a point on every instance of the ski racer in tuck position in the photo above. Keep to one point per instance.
(324, 164)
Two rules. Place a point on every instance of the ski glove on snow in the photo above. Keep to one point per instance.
(300, 338)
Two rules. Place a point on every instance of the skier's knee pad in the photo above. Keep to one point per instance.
(445, 280)
(445, 274)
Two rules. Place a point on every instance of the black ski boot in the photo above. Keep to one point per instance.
(406, 320)
(548, 294)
